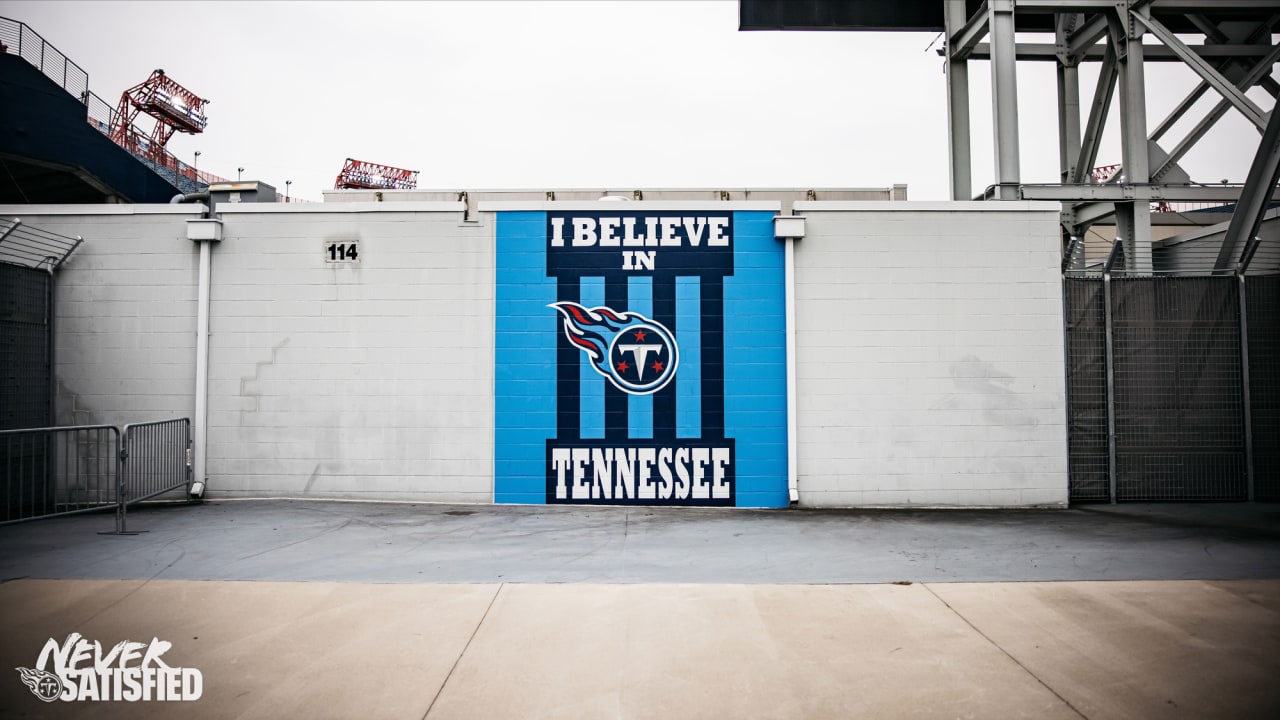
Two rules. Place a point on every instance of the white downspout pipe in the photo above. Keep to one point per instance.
(793, 483)
(791, 228)
(205, 233)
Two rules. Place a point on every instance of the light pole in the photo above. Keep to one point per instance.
(195, 169)
(287, 183)
(239, 172)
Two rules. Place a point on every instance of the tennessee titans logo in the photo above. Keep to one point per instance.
(45, 685)
(638, 355)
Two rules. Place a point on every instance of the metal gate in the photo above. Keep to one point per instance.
(1173, 386)
(29, 257)
(26, 383)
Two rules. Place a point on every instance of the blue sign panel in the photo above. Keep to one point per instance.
(640, 359)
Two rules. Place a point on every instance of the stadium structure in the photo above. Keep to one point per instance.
(1091, 340)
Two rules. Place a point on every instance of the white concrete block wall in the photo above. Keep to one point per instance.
(372, 380)
(930, 355)
(125, 311)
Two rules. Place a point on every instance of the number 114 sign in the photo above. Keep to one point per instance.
(342, 252)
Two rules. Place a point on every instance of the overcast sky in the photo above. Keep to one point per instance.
(610, 95)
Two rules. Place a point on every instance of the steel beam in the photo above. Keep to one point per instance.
(1179, 111)
(1046, 52)
(1098, 110)
(1123, 193)
(1259, 187)
(1259, 70)
(1206, 71)
(1063, 6)
(1087, 36)
(960, 42)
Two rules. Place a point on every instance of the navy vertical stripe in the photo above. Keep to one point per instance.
(712, 356)
(664, 313)
(568, 361)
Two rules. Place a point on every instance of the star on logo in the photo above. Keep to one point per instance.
(623, 366)
(639, 335)
(657, 365)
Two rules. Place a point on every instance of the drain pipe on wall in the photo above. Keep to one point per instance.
(204, 231)
(790, 228)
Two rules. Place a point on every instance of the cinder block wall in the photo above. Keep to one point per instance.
(929, 348)
(125, 301)
(369, 380)
(930, 355)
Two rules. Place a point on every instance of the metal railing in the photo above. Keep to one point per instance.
(58, 471)
(49, 472)
(156, 457)
(19, 39)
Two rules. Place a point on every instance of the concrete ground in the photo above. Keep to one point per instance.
(338, 610)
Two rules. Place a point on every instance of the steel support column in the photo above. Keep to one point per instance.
(1134, 219)
(1117, 250)
(961, 165)
(1068, 120)
(1004, 97)
(1244, 382)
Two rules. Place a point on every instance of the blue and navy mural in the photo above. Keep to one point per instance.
(640, 359)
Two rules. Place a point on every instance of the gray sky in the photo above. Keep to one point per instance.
(617, 95)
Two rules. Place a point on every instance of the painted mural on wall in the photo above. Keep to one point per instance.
(640, 359)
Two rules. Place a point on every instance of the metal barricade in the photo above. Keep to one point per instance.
(46, 472)
(58, 471)
(156, 458)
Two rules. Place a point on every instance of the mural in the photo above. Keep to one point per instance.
(640, 359)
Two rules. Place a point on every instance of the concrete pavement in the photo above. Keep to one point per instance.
(408, 543)
(389, 611)
(1189, 649)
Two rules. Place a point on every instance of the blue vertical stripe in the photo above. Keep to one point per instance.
(640, 407)
(591, 400)
(689, 373)
(756, 380)
(525, 338)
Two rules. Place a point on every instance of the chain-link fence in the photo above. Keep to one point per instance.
(1173, 384)
(1262, 300)
(1087, 390)
(25, 347)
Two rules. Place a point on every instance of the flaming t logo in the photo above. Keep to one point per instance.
(45, 685)
(638, 355)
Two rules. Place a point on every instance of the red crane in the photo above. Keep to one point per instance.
(361, 175)
(175, 109)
